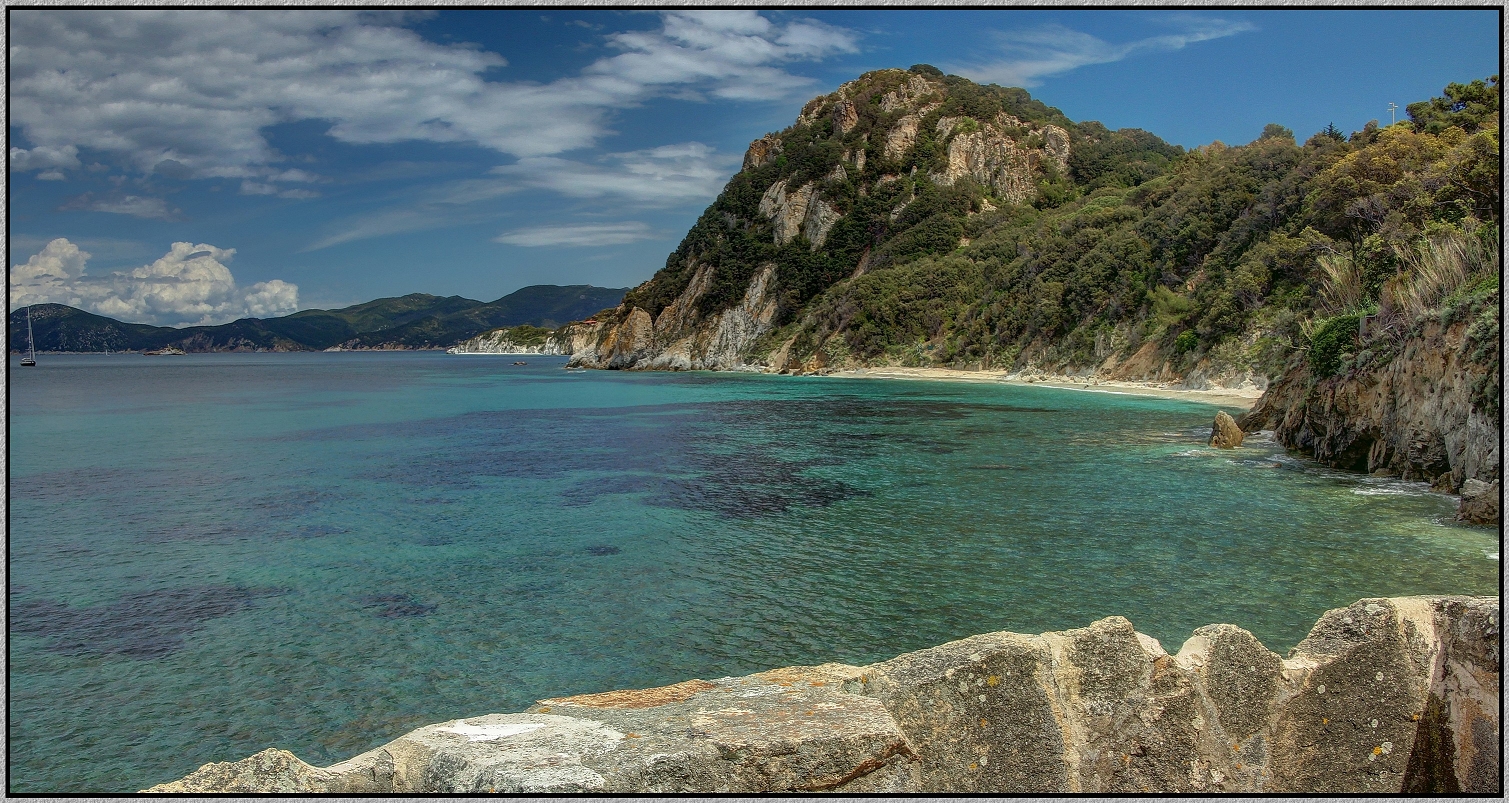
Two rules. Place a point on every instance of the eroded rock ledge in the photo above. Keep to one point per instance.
(1385, 696)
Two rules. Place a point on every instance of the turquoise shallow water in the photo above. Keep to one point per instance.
(215, 554)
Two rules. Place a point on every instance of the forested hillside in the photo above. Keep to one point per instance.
(417, 320)
(916, 218)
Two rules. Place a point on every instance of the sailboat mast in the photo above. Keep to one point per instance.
(31, 344)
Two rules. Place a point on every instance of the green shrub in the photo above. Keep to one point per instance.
(1186, 342)
(1332, 339)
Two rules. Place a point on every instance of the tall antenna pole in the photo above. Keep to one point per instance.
(1391, 108)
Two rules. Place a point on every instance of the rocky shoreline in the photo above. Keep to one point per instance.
(504, 341)
(1422, 414)
(1383, 697)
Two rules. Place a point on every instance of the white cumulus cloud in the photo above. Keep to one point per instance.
(587, 234)
(189, 285)
(44, 157)
(1035, 53)
(188, 92)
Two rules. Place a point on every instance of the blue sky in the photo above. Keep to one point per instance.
(323, 158)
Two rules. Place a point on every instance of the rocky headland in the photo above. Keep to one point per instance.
(912, 222)
(512, 340)
(1428, 410)
(1386, 696)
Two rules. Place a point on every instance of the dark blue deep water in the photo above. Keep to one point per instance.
(214, 554)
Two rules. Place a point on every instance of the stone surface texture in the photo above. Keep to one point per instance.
(680, 338)
(1384, 696)
(786, 210)
(998, 154)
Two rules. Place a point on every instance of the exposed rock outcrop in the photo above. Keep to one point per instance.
(1480, 502)
(762, 152)
(900, 139)
(680, 338)
(1224, 433)
(997, 156)
(845, 116)
(910, 94)
(507, 341)
(1385, 696)
(1414, 417)
(820, 219)
(786, 211)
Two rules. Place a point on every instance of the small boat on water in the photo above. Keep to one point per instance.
(31, 344)
(519, 362)
(166, 351)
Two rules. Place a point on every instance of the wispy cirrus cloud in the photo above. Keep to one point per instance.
(660, 176)
(260, 188)
(458, 202)
(587, 234)
(1035, 53)
(399, 220)
(687, 172)
(142, 206)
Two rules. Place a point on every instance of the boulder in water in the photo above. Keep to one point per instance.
(1224, 433)
(1480, 502)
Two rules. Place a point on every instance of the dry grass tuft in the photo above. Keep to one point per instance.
(1434, 270)
(1340, 284)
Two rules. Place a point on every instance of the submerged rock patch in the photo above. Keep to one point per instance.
(143, 624)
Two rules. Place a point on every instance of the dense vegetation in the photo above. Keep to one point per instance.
(733, 235)
(1217, 256)
(415, 321)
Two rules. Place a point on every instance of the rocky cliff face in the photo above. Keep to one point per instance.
(858, 157)
(1383, 697)
(680, 338)
(509, 341)
(800, 212)
(997, 154)
(1419, 416)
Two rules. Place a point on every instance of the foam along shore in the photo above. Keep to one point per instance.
(1243, 397)
(499, 353)
(1383, 697)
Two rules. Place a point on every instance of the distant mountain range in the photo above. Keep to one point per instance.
(416, 320)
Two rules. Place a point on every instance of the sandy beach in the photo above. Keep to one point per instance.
(1242, 398)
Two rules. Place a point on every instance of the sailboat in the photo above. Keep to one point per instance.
(31, 345)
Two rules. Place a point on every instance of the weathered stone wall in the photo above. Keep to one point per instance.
(1384, 696)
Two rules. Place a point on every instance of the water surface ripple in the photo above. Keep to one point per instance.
(215, 554)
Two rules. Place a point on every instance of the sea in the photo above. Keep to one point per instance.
(210, 555)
